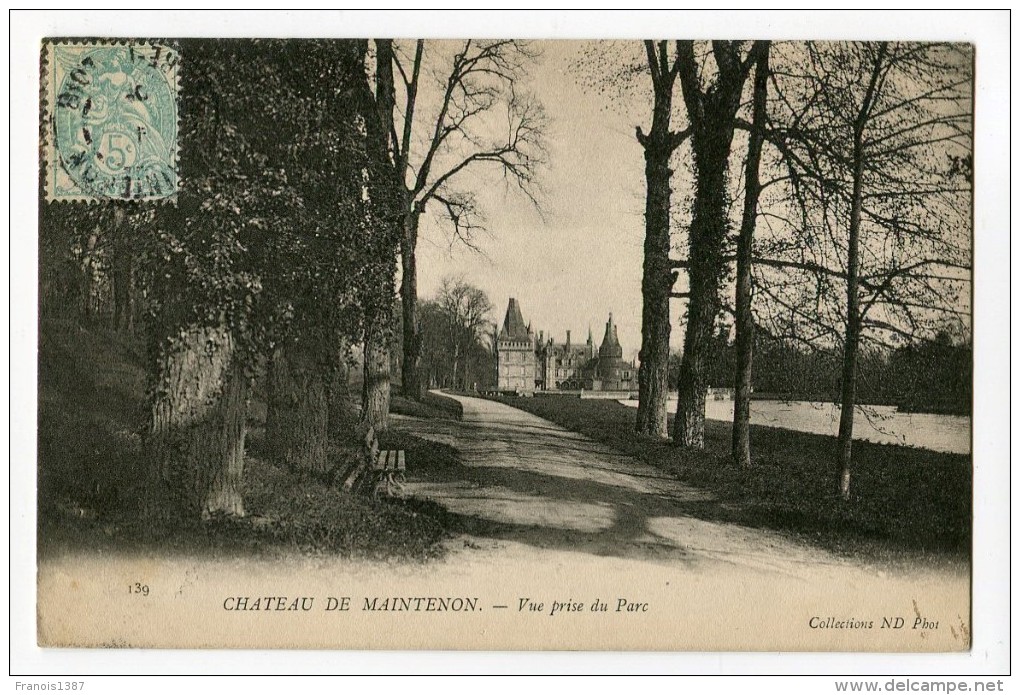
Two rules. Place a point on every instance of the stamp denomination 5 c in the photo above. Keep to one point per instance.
(111, 117)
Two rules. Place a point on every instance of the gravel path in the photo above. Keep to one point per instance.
(530, 481)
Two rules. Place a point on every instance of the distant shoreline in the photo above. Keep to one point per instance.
(713, 394)
(901, 407)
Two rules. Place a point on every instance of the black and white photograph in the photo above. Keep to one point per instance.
(557, 343)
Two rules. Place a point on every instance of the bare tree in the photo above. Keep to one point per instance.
(871, 135)
(741, 445)
(481, 117)
(467, 312)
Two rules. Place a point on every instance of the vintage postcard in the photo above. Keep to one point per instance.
(505, 344)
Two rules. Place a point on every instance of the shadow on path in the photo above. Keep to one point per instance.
(524, 479)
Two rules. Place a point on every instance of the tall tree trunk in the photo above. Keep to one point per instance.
(456, 360)
(297, 407)
(656, 279)
(122, 271)
(195, 442)
(712, 113)
(389, 197)
(375, 394)
(707, 237)
(394, 154)
(224, 495)
(410, 369)
(848, 391)
(851, 343)
(744, 319)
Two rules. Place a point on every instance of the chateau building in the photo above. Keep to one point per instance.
(525, 364)
(515, 353)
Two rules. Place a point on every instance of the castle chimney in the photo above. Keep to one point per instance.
(568, 340)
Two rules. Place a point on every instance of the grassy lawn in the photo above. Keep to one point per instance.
(92, 410)
(905, 501)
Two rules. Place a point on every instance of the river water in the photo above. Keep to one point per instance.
(874, 423)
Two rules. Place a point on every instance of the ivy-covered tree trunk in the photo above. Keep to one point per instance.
(375, 395)
(195, 443)
(412, 385)
(386, 196)
(297, 407)
(712, 114)
(708, 231)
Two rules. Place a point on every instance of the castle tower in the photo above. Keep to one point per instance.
(515, 352)
(615, 373)
(610, 348)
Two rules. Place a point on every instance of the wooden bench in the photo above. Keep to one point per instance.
(387, 467)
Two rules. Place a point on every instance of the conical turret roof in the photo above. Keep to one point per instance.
(610, 348)
(513, 323)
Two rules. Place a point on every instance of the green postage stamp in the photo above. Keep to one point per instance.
(111, 117)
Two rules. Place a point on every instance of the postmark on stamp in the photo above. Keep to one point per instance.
(111, 120)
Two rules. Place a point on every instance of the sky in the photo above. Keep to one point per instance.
(580, 259)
